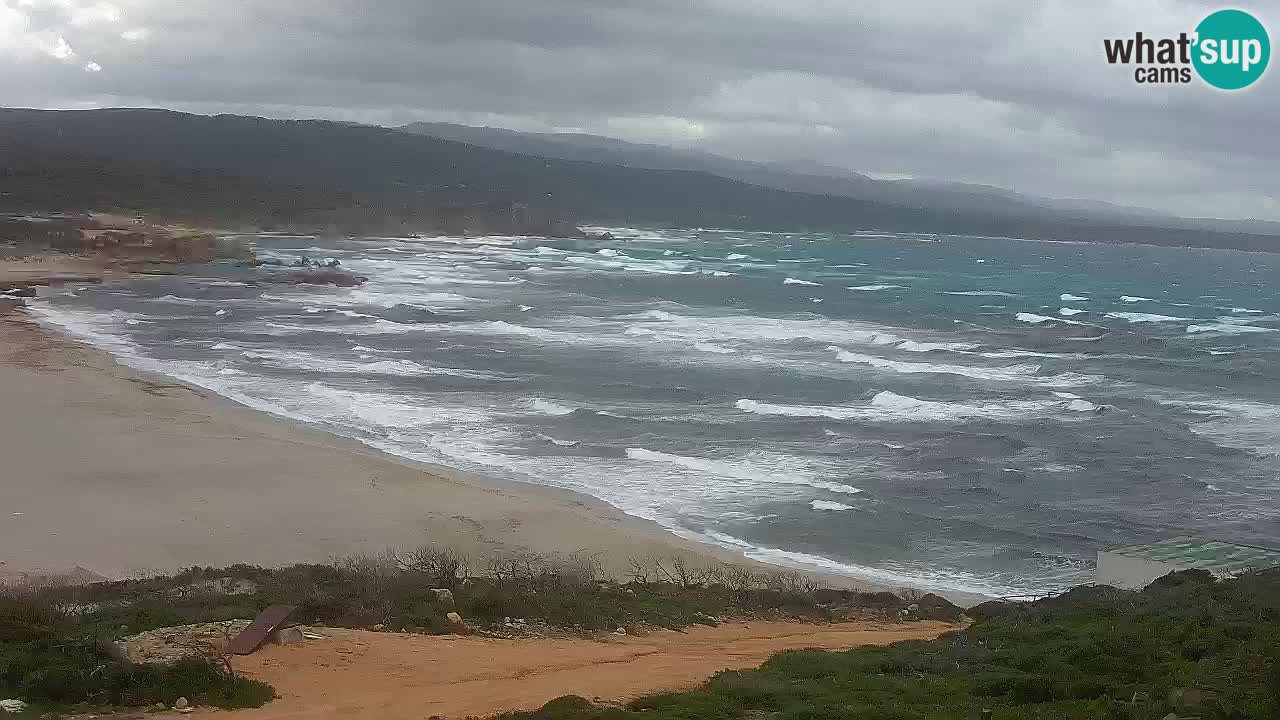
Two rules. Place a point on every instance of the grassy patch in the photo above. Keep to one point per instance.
(49, 658)
(396, 591)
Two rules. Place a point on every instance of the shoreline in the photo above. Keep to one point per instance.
(185, 468)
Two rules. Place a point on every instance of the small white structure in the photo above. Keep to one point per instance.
(1134, 567)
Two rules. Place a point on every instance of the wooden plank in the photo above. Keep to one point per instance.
(252, 637)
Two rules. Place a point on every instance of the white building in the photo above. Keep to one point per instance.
(1135, 566)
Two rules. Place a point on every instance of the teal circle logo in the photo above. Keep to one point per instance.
(1232, 49)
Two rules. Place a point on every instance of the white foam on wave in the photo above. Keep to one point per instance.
(1068, 297)
(1010, 354)
(547, 407)
(741, 470)
(888, 406)
(1068, 312)
(1014, 373)
(737, 256)
(937, 579)
(1244, 424)
(797, 281)
(874, 288)
(980, 293)
(176, 300)
(713, 348)
(557, 442)
(1223, 328)
(829, 505)
(753, 328)
(1136, 317)
(913, 346)
(1135, 299)
(312, 362)
(1078, 405)
(1035, 319)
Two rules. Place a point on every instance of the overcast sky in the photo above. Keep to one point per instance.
(1014, 93)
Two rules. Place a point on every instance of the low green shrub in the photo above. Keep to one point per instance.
(48, 658)
(1090, 654)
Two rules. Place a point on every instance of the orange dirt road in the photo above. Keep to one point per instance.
(386, 676)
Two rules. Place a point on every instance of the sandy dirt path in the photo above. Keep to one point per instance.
(356, 674)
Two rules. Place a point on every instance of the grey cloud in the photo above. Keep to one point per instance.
(1005, 92)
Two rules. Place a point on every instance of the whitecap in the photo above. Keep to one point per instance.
(828, 505)
(557, 442)
(873, 288)
(1228, 329)
(913, 346)
(738, 470)
(888, 406)
(735, 256)
(1035, 319)
(1010, 373)
(936, 579)
(797, 281)
(1068, 312)
(980, 293)
(765, 329)
(311, 362)
(1010, 354)
(547, 407)
(525, 308)
(1135, 298)
(1135, 317)
(712, 348)
(1081, 406)
(1068, 297)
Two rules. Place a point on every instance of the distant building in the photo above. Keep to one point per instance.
(1135, 566)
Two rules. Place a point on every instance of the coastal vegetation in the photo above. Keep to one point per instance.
(56, 641)
(1189, 644)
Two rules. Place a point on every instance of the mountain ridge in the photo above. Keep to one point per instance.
(359, 178)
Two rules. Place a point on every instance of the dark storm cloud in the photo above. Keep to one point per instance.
(1006, 92)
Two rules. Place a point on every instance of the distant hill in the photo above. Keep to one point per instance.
(827, 180)
(233, 169)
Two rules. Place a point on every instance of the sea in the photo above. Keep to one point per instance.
(966, 414)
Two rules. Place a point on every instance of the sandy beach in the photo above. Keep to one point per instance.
(122, 473)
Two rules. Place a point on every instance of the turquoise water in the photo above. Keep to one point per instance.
(971, 414)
